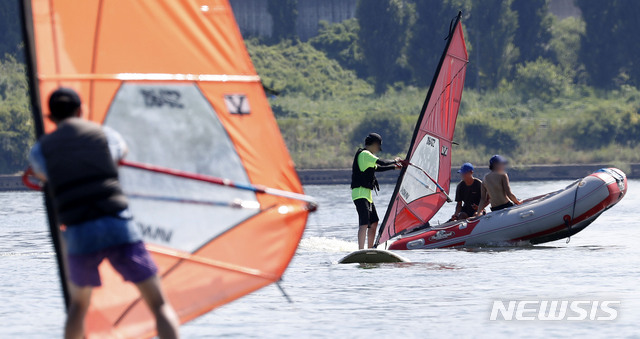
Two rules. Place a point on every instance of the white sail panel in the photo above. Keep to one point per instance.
(426, 156)
(174, 126)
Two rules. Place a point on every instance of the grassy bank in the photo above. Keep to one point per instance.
(324, 111)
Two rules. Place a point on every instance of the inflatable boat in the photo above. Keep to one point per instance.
(423, 184)
(541, 219)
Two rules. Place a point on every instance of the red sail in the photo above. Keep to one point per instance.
(416, 198)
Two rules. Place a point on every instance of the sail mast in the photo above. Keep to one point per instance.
(415, 211)
(38, 122)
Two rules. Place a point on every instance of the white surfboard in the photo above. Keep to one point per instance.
(372, 256)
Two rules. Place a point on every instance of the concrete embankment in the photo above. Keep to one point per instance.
(343, 176)
(530, 173)
(11, 183)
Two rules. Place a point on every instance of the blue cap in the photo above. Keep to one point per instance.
(466, 168)
(497, 159)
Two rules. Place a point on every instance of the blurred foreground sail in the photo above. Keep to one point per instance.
(174, 78)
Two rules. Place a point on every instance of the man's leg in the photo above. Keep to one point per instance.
(362, 207)
(362, 235)
(167, 321)
(372, 234)
(80, 298)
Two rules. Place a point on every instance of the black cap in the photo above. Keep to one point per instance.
(373, 138)
(63, 103)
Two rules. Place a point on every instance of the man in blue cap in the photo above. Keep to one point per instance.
(496, 188)
(467, 193)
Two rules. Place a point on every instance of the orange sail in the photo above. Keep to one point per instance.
(175, 79)
(420, 190)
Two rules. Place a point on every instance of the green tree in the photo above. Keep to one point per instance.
(534, 28)
(382, 37)
(428, 34)
(565, 45)
(284, 14)
(10, 34)
(610, 47)
(629, 47)
(340, 42)
(540, 79)
(16, 127)
(492, 27)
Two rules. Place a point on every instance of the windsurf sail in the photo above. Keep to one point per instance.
(423, 185)
(210, 182)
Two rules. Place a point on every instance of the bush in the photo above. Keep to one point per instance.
(340, 42)
(540, 79)
(593, 130)
(395, 134)
(628, 133)
(497, 137)
(299, 69)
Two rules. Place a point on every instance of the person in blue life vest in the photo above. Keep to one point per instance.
(467, 193)
(363, 182)
(79, 162)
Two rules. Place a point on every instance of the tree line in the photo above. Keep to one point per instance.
(401, 40)
(543, 90)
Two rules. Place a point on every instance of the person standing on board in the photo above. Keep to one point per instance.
(496, 187)
(467, 193)
(363, 181)
(79, 161)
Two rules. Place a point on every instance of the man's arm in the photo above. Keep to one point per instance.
(386, 165)
(117, 146)
(459, 202)
(458, 210)
(507, 189)
(484, 200)
(37, 162)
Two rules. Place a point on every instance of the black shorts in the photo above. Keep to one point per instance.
(468, 210)
(503, 206)
(367, 213)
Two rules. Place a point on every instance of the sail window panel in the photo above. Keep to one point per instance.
(174, 126)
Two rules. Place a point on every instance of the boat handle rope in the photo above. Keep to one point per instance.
(569, 222)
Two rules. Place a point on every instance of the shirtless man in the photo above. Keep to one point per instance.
(496, 188)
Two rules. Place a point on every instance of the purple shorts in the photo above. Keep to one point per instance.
(132, 261)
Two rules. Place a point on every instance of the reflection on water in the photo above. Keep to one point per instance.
(441, 293)
(423, 265)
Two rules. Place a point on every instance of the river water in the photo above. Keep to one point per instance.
(442, 293)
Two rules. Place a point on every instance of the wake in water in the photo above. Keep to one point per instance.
(321, 244)
(26, 254)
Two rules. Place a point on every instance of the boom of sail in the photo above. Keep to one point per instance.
(417, 195)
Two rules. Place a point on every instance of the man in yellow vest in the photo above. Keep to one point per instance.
(363, 181)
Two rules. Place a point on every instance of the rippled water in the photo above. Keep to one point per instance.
(442, 293)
